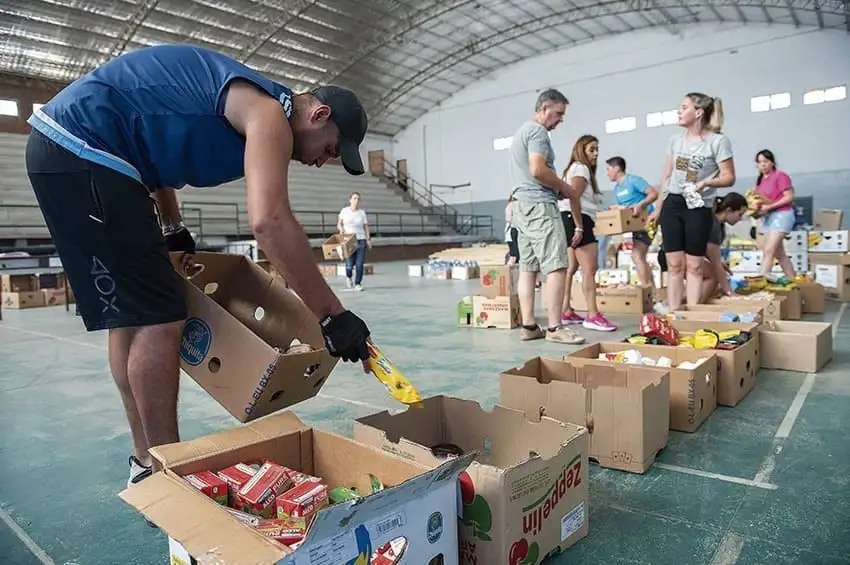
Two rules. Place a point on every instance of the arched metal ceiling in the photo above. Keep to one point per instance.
(402, 57)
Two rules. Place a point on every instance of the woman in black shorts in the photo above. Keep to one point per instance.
(699, 161)
(579, 215)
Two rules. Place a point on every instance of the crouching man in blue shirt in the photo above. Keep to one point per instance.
(634, 192)
(126, 136)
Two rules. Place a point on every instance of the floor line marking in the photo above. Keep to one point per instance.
(729, 549)
(19, 532)
(717, 476)
(104, 348)
(796, 405)
(837, 321)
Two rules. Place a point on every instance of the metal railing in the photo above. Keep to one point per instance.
(201, 216)
(430, 202)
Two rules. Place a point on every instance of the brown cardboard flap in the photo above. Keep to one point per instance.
(278, 425)
(200, 524)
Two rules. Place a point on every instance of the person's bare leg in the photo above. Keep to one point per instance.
(772, 243)
(785, 262)
(119, 352)
(153, 369)
(694, 267)
(555, 288)
(525, 288)
(639, 250)
(675, 279)
(588, 257)
(709, 283)
(568, 282)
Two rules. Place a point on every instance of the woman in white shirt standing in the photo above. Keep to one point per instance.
(699, 161)
(352, 220)
(579, 215)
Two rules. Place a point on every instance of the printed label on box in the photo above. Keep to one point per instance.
(338, 549)
(827, 275)
(382, 526)
(572, 522)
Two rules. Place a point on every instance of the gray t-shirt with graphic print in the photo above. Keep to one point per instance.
(530, 138)
(695, 160)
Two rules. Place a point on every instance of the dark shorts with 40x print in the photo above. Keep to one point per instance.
(105, 229)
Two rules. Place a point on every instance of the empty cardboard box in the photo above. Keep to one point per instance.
(805, 347)
(524, 498)
(339, 246)
(241, 322)
(774, 309)
(693, 392)
(625, 409)
(419, 504)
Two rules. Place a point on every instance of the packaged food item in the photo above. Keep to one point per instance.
(298, 477)
(652, 326)
(389, 553)
(705, 339)
(296, 347)
(446, 450)
(287, 531)
(248, 519)
(397, 386)
(258, 495)
(210, 484)
(377, 485)
(342, 494)
(235, 478)
(302, 501)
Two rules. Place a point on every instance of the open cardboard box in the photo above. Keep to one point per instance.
(418, 504)
(693, 392)
(793, 302)
(736, 368)
(339, 246)
(526, 493)
(775, 309)
(614, 300)
(241, 322)
(625, 409)
(796, 346)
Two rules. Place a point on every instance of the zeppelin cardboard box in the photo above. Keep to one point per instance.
(418, 505)
(625, 409)
(241, 322)
(524, 498)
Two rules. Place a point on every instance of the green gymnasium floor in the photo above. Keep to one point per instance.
(766, 482)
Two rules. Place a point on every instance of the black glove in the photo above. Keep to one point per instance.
(180, 240)
(345, 336)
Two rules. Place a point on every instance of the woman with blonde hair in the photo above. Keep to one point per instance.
(579, 215)
(699, 161)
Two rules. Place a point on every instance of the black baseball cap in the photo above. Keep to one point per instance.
(348, 114)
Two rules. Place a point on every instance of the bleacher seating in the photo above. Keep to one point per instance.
(316, 196)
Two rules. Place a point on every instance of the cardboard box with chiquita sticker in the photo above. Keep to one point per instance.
(249, 341)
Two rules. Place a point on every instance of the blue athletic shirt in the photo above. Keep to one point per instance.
(632, 191)
(157, 115)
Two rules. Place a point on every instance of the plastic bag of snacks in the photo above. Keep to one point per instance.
(651, 326)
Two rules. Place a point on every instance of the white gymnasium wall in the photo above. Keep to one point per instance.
(641, 72)
(374, 142)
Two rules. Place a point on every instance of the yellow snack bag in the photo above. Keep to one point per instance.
(686, 341)
(705, 339)
(728, 334)
(397, 386)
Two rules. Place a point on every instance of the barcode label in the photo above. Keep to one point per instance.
(387, 524)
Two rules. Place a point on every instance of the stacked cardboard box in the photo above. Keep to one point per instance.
(497, 304)
(829, 256)
(19, 292)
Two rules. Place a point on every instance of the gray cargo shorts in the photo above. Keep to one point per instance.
(542, 240)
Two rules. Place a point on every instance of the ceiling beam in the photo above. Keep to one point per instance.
(131, 27)
(288, 12)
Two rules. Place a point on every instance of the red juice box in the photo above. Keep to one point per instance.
(302, 501)
(258, 495)
(298, 477)
(235, 478)
(288, 532)
(210, 484)
(248, 519)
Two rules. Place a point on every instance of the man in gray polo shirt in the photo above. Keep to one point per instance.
(542, 243)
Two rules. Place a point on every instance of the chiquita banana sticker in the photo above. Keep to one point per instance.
(397, 386)
(814, 239)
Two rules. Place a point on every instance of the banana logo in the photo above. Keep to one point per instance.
(734, 262)
(814, 239)
(364, 546)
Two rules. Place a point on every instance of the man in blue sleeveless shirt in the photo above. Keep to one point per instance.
(126, 136)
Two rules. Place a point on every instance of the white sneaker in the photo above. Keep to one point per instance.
(358, 288)
(138, 472)
(349, 283)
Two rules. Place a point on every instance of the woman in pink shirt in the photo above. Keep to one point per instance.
(778, 216)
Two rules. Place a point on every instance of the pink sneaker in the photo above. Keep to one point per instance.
(599, 323)
(569, 318)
